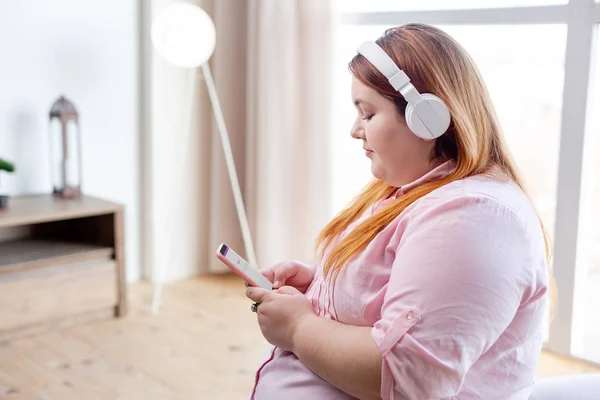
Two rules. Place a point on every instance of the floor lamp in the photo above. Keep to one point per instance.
(184, 35)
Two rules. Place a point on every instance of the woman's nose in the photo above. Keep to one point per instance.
(357, 132)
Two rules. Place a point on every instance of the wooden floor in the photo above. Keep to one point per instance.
(203, 344)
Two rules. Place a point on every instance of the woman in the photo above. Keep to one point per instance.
(432, 283)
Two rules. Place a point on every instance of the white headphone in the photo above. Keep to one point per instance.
(426, 114)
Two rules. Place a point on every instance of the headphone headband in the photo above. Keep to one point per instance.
(379, 58)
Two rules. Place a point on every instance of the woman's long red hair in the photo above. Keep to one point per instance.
(436, 64)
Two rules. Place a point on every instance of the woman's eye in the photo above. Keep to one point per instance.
(368, 117)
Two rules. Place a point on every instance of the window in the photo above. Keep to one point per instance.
(587, 330)
(425, 5)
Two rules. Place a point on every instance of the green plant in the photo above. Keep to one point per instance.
(6, 165)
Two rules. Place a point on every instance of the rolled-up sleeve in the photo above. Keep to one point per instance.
(457, 281)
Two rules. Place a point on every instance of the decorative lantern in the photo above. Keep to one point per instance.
(65, 149)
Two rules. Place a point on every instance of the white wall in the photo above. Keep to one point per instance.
(87, 51)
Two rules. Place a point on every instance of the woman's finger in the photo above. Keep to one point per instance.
(256, 294)
(281, 274)
(267, 273)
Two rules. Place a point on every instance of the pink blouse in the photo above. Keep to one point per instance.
(454, 290)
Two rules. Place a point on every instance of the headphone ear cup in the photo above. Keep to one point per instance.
(433, 129)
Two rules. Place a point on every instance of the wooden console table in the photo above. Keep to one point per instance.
(61, 263)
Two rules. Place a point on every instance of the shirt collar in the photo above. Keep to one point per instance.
(435, 174)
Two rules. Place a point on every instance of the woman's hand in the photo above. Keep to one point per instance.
(290, 273)
(280, 313)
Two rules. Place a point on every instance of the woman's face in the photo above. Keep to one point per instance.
(397, 155)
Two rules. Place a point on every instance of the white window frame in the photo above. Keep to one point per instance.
(581, 18)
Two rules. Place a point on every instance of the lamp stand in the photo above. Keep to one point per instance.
(233, 178)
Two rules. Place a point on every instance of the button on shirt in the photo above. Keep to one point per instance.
(455, 290)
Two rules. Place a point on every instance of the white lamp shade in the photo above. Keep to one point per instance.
(184, 35)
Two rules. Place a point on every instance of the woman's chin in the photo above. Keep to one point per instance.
(376, 170)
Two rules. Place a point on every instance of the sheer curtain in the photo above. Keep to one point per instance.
(272, 67)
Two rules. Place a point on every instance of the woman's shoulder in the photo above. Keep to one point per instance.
(487, 195)
(480, 212)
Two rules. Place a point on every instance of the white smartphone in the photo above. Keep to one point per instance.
(242, 268)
